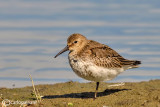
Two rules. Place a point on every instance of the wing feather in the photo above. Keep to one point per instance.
(104, 56)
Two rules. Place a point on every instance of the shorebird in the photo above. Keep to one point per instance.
(94, 61)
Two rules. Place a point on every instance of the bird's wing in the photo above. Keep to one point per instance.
(104, 56)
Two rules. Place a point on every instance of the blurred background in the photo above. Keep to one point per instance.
(33, 31)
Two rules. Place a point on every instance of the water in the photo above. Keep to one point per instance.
(32, 32)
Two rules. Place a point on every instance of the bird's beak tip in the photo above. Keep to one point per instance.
(63, 50)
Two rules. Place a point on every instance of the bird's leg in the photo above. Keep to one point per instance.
(97, 85)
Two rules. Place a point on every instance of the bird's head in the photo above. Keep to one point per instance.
(75, 43)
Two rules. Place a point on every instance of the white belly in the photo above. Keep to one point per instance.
(92, 72)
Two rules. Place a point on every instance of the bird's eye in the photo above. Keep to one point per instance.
(75, 41)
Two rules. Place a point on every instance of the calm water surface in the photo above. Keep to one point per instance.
(32, 32)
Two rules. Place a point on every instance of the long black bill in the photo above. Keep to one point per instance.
(63, 50)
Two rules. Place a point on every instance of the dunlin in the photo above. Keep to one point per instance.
(95, 61)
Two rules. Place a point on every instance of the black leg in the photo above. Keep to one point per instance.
(97, 85)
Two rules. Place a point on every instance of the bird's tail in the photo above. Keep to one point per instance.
(136, 62)
(129, 64)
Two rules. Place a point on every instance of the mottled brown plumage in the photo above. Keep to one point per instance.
(104, 56)
(94, 61)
